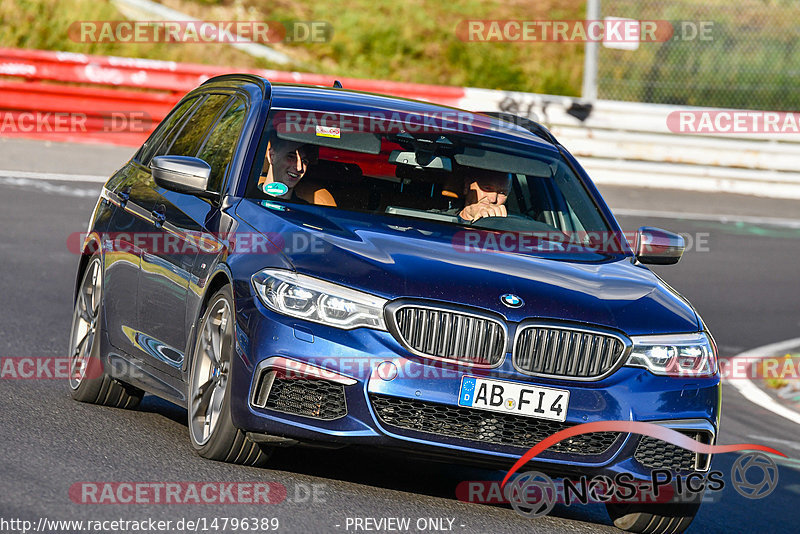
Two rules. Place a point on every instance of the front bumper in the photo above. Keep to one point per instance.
(424, 397)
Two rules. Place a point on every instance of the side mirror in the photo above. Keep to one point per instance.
(183, 174)
(658, 247)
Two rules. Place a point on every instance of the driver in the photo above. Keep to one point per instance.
(285, 164)
(485, 194)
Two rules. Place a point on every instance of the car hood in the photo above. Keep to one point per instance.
(393, 257)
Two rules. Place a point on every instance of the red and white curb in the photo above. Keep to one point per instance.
(755, 394)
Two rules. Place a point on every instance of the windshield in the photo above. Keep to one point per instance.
(413, 171)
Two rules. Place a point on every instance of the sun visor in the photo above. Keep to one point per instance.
(497, 161)
(324, 130)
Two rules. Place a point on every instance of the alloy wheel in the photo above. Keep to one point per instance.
(84, 324)
(210, 371)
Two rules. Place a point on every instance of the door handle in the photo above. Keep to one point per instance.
(159, 215)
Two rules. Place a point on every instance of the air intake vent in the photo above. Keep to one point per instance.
(310, 397)
(484, 427)
(656, 454)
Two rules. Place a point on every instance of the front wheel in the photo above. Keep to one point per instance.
(210, 427)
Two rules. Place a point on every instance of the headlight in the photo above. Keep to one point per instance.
(308, 298)
(675, 355)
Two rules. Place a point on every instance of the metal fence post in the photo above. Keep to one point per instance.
(589, 90)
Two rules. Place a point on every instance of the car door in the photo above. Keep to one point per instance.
(177, 219)
(133, 193)
(219, 151)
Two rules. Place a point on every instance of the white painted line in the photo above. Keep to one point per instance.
(659, 175)
(48, 187)
(752, 392)
(788, 462)
(722, 218)
(788, 443)
(54, 177)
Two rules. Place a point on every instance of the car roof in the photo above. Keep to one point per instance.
(345, 101)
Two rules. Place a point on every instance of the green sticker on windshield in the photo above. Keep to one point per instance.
(272, 205)
(275, 189)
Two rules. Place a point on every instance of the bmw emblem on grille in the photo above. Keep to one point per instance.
(512, 301)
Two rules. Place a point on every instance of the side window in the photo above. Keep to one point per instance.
(220, 145)
(194, 130)
(150, 148)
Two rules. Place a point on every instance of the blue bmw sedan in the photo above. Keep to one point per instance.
(307, 265)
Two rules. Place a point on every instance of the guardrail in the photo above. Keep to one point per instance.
(626, 143)
(618, 142)
(105, 89)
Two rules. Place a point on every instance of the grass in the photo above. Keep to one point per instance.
(409, 40)
(44, 24)
(752, 61)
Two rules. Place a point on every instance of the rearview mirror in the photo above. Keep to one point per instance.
(658, 247)
(421, 160)
(183, 174)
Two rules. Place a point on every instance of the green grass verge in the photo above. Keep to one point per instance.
(409, 40)
(752, 60)
(44, 25)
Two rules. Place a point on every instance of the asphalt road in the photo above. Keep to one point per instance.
(744, 283)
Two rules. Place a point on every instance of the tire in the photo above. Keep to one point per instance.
(88, 381)
(668, 518)
(211, 430)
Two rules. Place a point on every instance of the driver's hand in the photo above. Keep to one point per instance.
(477, 211)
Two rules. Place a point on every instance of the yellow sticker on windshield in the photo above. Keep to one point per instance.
(329, 131)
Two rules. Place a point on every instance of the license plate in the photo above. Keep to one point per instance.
(514, 398)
